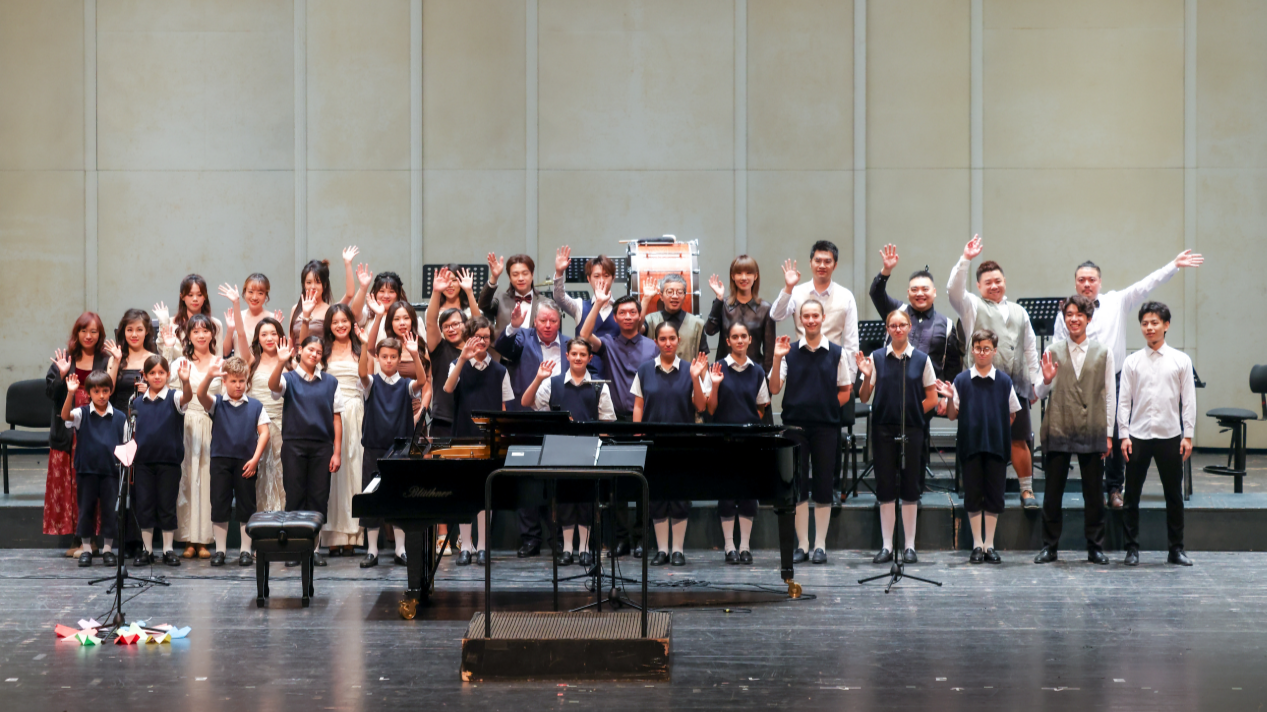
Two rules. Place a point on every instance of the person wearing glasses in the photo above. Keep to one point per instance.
(690, 328)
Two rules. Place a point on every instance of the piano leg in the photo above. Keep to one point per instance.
(787, 545)
(417, 568)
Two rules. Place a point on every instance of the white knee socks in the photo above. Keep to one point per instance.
(745, 532)
(246, 538)
(822, 517)
(974, 522)
(728, 533)
(583, 537)
(661, 527)
(567, 539)
(802, 526)
(371, 541)
(910, 510)
(679, 535)
(147, 540)
(220, 532)
(169, 540)
(991, 521)
(888, 520)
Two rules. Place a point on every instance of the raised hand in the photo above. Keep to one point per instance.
(1049, 368)
(519, 314)
(411, 342)
(168, 334)
(782, 346)
(546, 369)
(360, 332)
(309, 302)
(161, 313)
(182, 371)
(277, 314)
(699, 366)
(716, 373)
(441, 281)
(495, 266)
(229, 320)
(284, 349)
(889, 255)
(718, 288)
(62, 358)
(1188, 259)
(72, 383)
(230, 293)
(562, 257)
(791, 275)
(865, 365)
(214, 370)
(375, 307)
(601, 298)
(465, 279)
(973, 249)
(113, 349)
(945, 389)
(651, 292)
(471, 346)
(349, 253)
(364, 275)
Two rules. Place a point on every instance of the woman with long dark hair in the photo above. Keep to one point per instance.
(134, 343)
(261, 354)
(193, 505)
(194, 299)
(341, 347)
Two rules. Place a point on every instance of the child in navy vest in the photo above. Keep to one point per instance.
(666, 390)
(477, 382)
(984, 402)
(738, 395)
(312, 427)
(571, 391)
(816, 381)
(160, 449)
(239, 434)
(889, 371)
(99, 429)
(389, 416)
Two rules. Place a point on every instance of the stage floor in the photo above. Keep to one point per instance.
(1066, 636)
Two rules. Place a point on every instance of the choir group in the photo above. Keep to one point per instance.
(266, 410)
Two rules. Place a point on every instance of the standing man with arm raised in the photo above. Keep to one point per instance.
(1016, 354)
(1112, 311)
(840, 310)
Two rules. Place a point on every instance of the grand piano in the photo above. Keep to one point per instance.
(424, 481)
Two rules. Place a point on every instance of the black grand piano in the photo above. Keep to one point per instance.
(424, 481)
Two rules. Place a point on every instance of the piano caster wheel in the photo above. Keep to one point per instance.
(614, 597)
(793, 589)
(408, 609)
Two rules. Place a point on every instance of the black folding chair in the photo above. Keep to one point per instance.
(28, 406)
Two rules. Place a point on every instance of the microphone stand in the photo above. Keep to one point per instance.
(896, 573)
(121, 575)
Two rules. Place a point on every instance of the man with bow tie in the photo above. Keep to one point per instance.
(1113, 310)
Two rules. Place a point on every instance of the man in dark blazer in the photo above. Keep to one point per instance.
(499, 307)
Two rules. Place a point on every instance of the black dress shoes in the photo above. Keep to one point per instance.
(170, 558)
(745, 557)
(400, 559)
(909, 557)
(622, 549)
(85, 558)
(977, 556)
(586, 560)
(661, 558)
(246, 558)
(528, 550)
(799, 556)
(481, 558)
(678, 559)
(335, 551)
(884, 557)
(370, 561)
(318, 559)
(464, 558)
(819, 557)
(1132, 557)
(564, 558)
(637, 552)
(1046, 556)
(144, 558)
(732, 557)
(109, 559)
(992, 556)
(1179, 558)
(1098, 557)
(217, 559)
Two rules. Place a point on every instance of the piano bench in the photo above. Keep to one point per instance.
(284, 536)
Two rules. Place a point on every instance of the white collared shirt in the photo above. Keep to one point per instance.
(844, 375)
(706, 383)
(508, 393)
(763, 393)
(415, 388)
(263, 419)
(77, 414)
(840, 316)
(1158, 399)
(929, 377)
(1013, 403)
(1078, 355)
(316, 376)
(1115, 309)
(606, 410)
(180, 407)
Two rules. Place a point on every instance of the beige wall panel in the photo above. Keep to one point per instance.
(467, 214)
(205, 86)
(800, 84)
(1231, 83)
(923, 212)
(369, 209)
(636, 84)
(156, 227)
(1083, 84)
(1231, 233)
(42, 230)
(358, 84)
(1040, 225)
(42, 85)
(918, 77)
(473, 75)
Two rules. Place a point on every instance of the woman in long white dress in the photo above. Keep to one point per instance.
(193, 503)
(342, 531)
(270, 494)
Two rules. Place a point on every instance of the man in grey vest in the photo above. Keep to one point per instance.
(690, 328)
(1078, 373)
(1016, 354)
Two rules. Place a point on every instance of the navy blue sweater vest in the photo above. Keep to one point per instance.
(886, 403)
(234, 428)
(602, 326)
(809, 391)
(389, 413)
(666, 397)
(737, 394)
(984, 422)
(96, 440)
(580, 401)
(308, 408)
(477, 390)
(160, 430)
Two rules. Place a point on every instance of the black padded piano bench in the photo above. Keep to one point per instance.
(284, 536)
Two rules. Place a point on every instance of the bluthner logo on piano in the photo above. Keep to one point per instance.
(416, 492)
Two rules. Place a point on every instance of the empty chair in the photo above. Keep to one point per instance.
(26, 405)
(1234, 419)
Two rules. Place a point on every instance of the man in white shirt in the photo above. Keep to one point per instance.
(1157, 384)
(1112, 311)
(840, 310)
(1017, 352)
